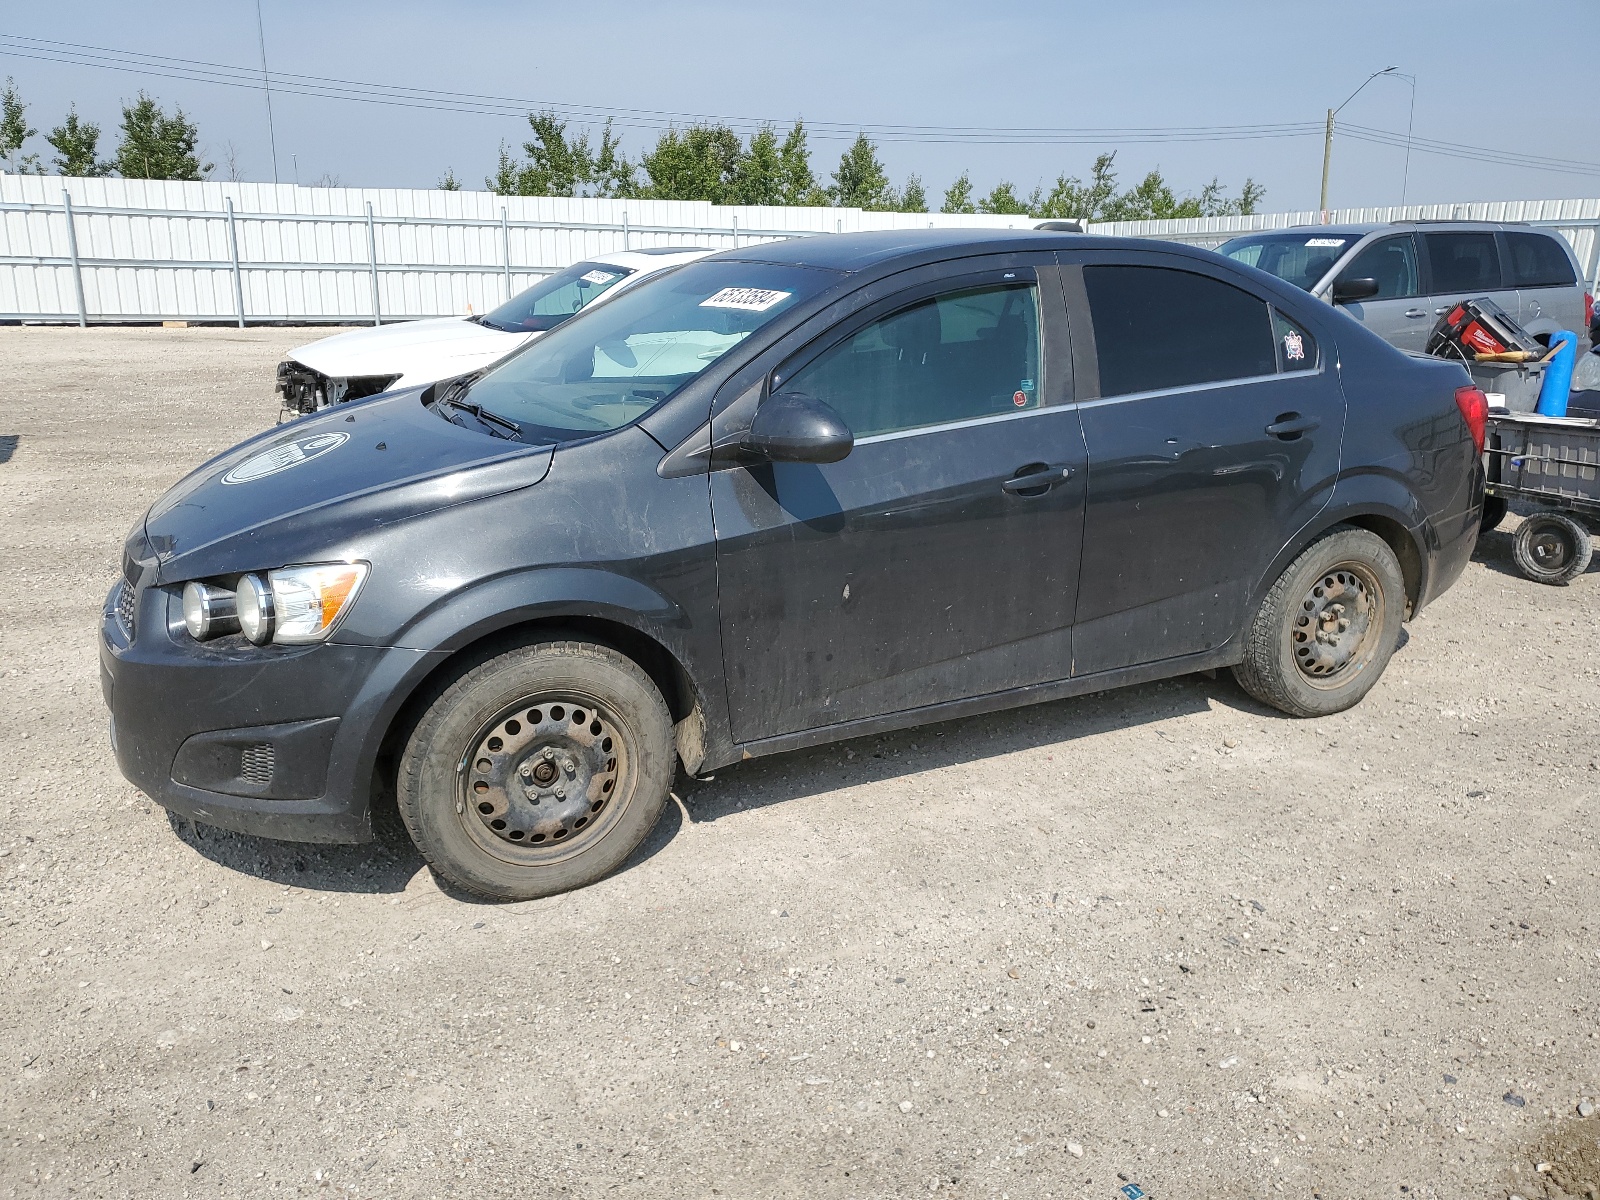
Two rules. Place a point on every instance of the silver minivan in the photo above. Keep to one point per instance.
(1398, 279)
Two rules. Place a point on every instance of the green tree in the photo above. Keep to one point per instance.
(15, 130)
(758, 177)
(158, 146)
(797, 185)
(913, 197)
(861, 181)
(77, 144)
(1072, 199)
(958, 196)
(1004, 200)
(557, 163)
(701, 163)
(449, 183)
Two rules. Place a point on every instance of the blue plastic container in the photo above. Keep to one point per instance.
(1558, 375)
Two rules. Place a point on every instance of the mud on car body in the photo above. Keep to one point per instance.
(786, 495)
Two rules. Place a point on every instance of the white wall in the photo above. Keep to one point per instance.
(158, 250)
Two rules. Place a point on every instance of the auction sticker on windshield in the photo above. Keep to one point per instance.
(1331, 243)
(747, 299)
(284, 456)
(598, 277)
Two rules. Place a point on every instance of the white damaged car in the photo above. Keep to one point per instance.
(364, 362)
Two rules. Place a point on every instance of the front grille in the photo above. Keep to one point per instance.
(255, 764)
(127, 601)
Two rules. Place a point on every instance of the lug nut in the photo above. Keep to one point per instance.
(561, 793)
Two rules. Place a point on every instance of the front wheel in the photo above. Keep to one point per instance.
(538, 771)
(1327, 628)
(1551, 547)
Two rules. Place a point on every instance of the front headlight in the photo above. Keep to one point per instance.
(292, 605)
(308, 601)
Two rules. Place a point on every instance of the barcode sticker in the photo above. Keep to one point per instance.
(598, 277)
(1332, 243)
(745, 299)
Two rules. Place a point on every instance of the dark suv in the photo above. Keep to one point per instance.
(790, 494)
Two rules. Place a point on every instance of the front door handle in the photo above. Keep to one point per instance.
(1035, 479)
(1416, 312)
(1290, 426)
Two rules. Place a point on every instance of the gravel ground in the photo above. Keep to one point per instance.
(1160, 936)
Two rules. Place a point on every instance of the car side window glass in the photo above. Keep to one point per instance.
(954, 357)
(1297, 349)
(1393, 263)
(1538, 260)
(1464, 262)
(1157, 328)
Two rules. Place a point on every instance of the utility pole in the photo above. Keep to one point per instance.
(1327, 156)
(266, 84)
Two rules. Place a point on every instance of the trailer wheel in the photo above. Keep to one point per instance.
(1551, 547)
(538, 771)
(1495, 509)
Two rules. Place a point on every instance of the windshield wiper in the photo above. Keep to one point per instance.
(491, 421)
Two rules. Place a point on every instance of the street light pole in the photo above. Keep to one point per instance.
(1327, 137)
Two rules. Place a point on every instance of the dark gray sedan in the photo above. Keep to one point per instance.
(786, 495)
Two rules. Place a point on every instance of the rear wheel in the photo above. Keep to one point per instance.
(1328, 627)
(538, 771)
(1551, 547)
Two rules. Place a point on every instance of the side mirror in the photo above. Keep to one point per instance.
(794, 427)
(1349, 291)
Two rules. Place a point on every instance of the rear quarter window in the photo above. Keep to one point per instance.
(1538, 260)
(1157, 328)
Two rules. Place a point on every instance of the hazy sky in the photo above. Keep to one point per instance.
(1491, 73)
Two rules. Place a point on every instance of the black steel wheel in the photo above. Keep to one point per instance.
(538, 771)
(1551, 547)
(1327, 627)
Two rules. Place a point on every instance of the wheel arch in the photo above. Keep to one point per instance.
(1388, 522)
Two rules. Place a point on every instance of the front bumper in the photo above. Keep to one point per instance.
(279, 742)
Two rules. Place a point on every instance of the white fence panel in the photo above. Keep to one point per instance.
(149, 250)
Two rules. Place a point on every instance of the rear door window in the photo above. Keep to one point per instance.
(1157, 328)
(953, 357)
(1464, 262)
(1538, 260)
(1393, 263)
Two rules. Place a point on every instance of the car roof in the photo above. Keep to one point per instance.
(1362, 228)
(852, 252)
(652, 258)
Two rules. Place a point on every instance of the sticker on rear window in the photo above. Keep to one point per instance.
(598, 277)
(1294, 347)
(745, 299)
(1330, 242)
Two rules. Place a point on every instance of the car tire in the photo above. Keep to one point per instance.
(538, 771)
(1551, 547)
(1495, 509)
(1328, 626)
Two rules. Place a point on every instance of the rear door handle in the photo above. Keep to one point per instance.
(1035, 479)
(1416, 312)
(1439, 312)
(1289, 426)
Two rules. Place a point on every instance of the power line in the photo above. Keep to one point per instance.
(481, 104)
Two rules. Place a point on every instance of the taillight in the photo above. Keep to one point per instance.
(1588, 309)
(1474, 406)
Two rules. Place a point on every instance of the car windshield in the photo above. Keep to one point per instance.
(1301, 258)
(555, 298)
(633, 352)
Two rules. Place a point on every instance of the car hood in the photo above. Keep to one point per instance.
(430, 349)
(312, 484)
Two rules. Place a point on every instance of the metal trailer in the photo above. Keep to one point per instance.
(1553, 462)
